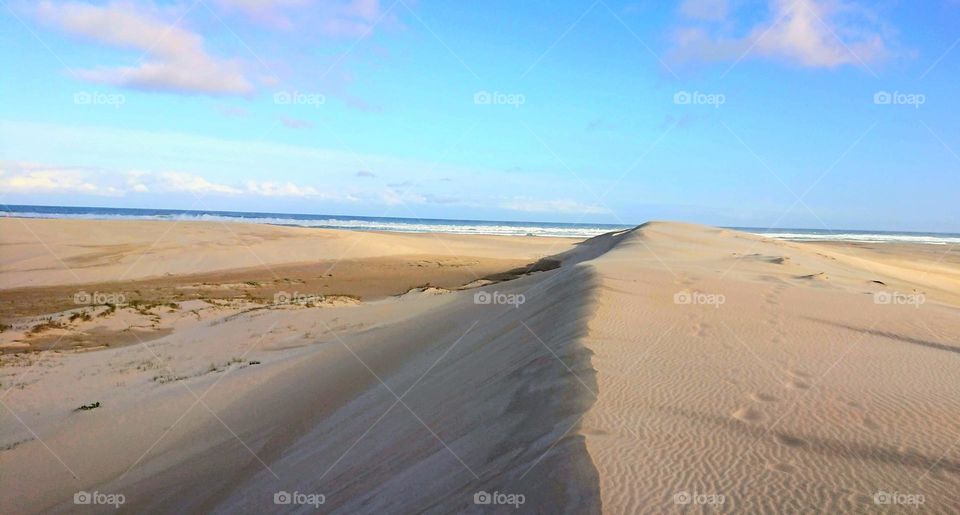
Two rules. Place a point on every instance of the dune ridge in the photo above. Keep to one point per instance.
(490, 396)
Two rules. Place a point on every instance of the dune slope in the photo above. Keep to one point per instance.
(412, 403)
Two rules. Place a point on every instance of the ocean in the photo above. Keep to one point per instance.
(371, 223)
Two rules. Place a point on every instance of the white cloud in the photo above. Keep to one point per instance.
(21, 178)
(135, 181)
(552, 206)
(270, 12)
(18, 177)
(813, 33)
(353, 19)
(186, 182)
(29, 178)
(334, 18)
(176, 59)
(278, 189)
(714, 10)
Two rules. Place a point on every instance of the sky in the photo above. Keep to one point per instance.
(822, 114)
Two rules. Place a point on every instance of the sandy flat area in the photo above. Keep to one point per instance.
(671, 368)
(44, 252)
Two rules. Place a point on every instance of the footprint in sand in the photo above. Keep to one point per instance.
(763, 397)
(868, 423)
(786, 468)
(862, 499)
(748, 414)
(797, 384)
(790, 441)
(798, 379)
(700, 330)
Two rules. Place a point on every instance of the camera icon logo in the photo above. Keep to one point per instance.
(682, 498)
(282, 98)
(882, 297)
(82, 498)
(881, 498)
(482, 497)
(281, 297)
(482, 98)
(682, 297)
(82, 297)
(82, 98)
(682, 98)
(282, 497)
(882, 98)
(482, 297)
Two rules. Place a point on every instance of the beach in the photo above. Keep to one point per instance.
(230, 367)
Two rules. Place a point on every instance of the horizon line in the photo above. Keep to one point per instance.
(583, 224)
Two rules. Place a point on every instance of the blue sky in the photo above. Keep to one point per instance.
(791, 113)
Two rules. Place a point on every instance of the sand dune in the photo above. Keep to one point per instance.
(791, 395)
(669, 368)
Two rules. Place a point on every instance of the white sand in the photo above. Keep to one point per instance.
(798, 393)
(44, 252)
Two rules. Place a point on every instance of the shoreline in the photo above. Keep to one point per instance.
(460, 226)
(342, 222)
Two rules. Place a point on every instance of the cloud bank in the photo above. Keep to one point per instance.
(809, 33)
(25, 178)
(174, 58)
